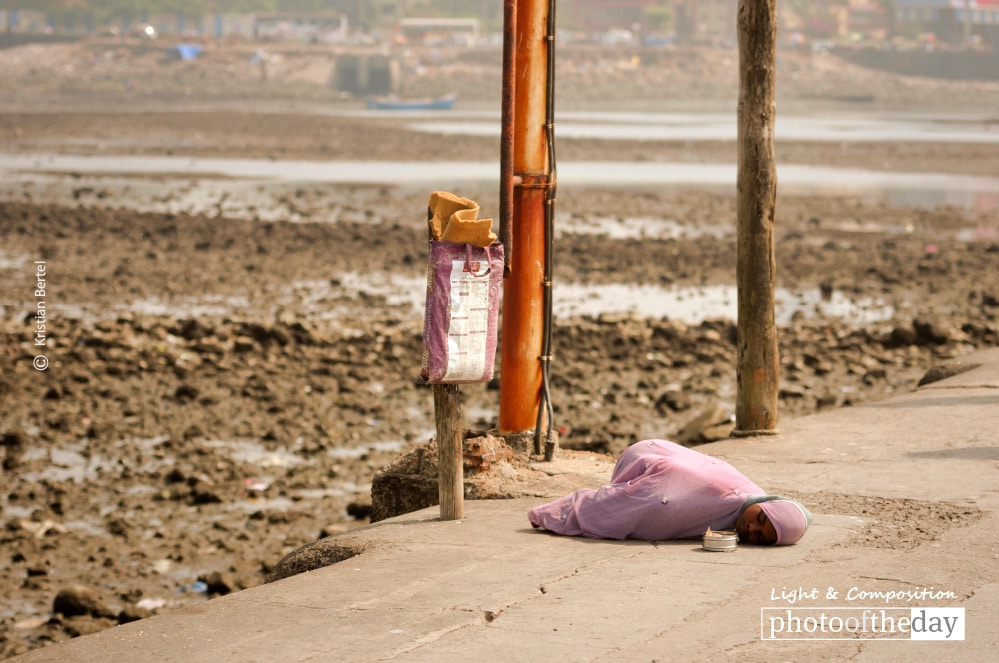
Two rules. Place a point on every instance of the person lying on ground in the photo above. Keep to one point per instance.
(660, 490)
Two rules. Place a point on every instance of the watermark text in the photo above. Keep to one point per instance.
(40, 361)
(925, 623)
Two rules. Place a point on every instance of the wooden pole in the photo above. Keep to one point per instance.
(757, 369)
(451, 480)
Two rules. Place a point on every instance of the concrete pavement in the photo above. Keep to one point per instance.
(923, 465)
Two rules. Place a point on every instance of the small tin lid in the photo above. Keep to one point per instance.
(720, 541)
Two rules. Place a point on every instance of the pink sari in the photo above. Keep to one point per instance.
(659, 490)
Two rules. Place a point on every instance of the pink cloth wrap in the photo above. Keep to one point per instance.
(659, 490)
(788, 519)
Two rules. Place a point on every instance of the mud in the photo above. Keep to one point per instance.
(224, 380)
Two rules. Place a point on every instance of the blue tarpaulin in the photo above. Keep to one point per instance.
(188, 51)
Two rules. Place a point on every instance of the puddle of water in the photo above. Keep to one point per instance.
(145, 443)
(142, 490)
(254, 453)
(979, 234)
(637, 227)
(723, 126)
(353, 453)
(21, 613)
(691, 305)
(983, 232)
(191, 307)
(163, 193)
(16, 511)
(398, 291)
(476, 414)
(345, 489)
(8, 261)
(153, 463)
(67, 464)
(694, 305)
(105, 142)
(256, 502)
(250, 505)
(979, 193)
(87, 528)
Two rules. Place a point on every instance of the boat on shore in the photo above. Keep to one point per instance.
(395, 102)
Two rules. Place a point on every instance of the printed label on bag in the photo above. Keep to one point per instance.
(469, 324)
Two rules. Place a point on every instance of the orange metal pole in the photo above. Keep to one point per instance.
(523, 288)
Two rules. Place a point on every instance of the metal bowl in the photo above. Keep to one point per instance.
(720, 541)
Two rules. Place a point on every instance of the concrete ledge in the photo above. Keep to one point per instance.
(491, 588)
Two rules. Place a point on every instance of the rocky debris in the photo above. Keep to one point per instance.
(12, 443)
(410, 483)
(219, 584)
(325, 551)
(80, 600)
(920, 332)
(492, 471)
(946, 370)
(712, 424)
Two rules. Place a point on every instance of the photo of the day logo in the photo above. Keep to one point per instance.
(862, 623)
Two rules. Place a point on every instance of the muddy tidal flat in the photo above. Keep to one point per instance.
(201, 370)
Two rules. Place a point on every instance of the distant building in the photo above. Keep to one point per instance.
(594, 16)
(23, 20)
(440, 31)
(838, 20)
(314, 28)
(868, 19)
(952, 21)
(689, 20)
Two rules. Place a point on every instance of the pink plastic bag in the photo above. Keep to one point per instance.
(459, 326)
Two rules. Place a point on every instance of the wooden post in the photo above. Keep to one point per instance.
(758, 368)
(451, 479)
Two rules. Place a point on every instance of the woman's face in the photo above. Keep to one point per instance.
(753, 526)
